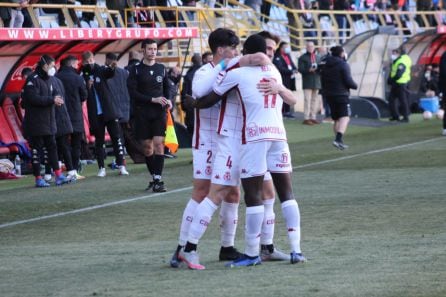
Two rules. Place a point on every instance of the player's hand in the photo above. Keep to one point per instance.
(188, 102)
(113, 65)
(160, 100)
(169, 103)
(90, 83)
(269, 86)
(58, 100)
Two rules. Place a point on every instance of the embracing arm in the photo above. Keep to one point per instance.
(257, 59)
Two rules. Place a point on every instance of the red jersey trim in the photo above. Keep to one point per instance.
(243, 116)
(224, 101)
(197, 128)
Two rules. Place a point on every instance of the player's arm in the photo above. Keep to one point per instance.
(270, 87)
(257, 59)
(203, 80)
(207, 101)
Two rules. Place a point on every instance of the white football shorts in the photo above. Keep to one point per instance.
(226, 170)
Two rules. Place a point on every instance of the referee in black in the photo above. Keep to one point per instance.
(149, 88)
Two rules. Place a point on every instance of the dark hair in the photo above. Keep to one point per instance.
(205, 55)
(281, 44)
(254, 44)
(26, 71)
(336, 50)
(269, 35)
(222, 37)
(196, 59)
(111, 56)
(86, 55)
(146, 42)
(68, 60)
(45, 59)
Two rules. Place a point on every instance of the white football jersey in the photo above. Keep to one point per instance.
(230, 121)
(206, 120)
(261, 115)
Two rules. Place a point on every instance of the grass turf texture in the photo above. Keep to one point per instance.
(372, 225)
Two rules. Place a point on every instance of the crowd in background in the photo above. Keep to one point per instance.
(19, 17)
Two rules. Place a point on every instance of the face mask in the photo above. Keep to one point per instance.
(427, 75)
(345, 56)
(287, 50)
(52, 71)
(393, 57)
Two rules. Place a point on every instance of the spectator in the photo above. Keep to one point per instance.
(207, 57)
(336, 84)
(308, 22)
(60, 15)
(88, 16)
(311, 83)
(323, 53)
(187, 90)
(103, 111)
(40, 98)
(430, 80)
(399, 79)
(341, 19)
(75, 93)
(288, 70)
(17, 17)
(265, 10)
(119, 5)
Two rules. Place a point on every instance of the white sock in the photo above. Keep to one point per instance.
(188, 216)
(253, 228)
(228, 223)
(290, 211)
(202, 218)
(268, 222)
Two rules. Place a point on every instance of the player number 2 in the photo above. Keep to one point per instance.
(209, 159)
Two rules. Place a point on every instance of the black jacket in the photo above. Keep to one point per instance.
(288, 79)
(75, 93)
(38, 101)
(118, 85)
(442, 76)
(336, 78)
(110, 106)
(63, 121)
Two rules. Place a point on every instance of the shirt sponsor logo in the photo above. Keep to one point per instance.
(227, 176)
(253, 130)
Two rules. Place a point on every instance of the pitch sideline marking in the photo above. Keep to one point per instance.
(119, 202)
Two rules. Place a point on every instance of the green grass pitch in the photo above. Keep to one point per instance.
(373, 224)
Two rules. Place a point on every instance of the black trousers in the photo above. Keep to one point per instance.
(114, 130)
(398, 101)
(76, 142)
(64, 150)
(43, 145)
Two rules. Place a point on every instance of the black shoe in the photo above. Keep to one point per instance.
(150, 186)
(158, 187)
(229, 254)
(169, 156)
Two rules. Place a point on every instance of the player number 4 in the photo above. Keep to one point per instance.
(229, 162)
